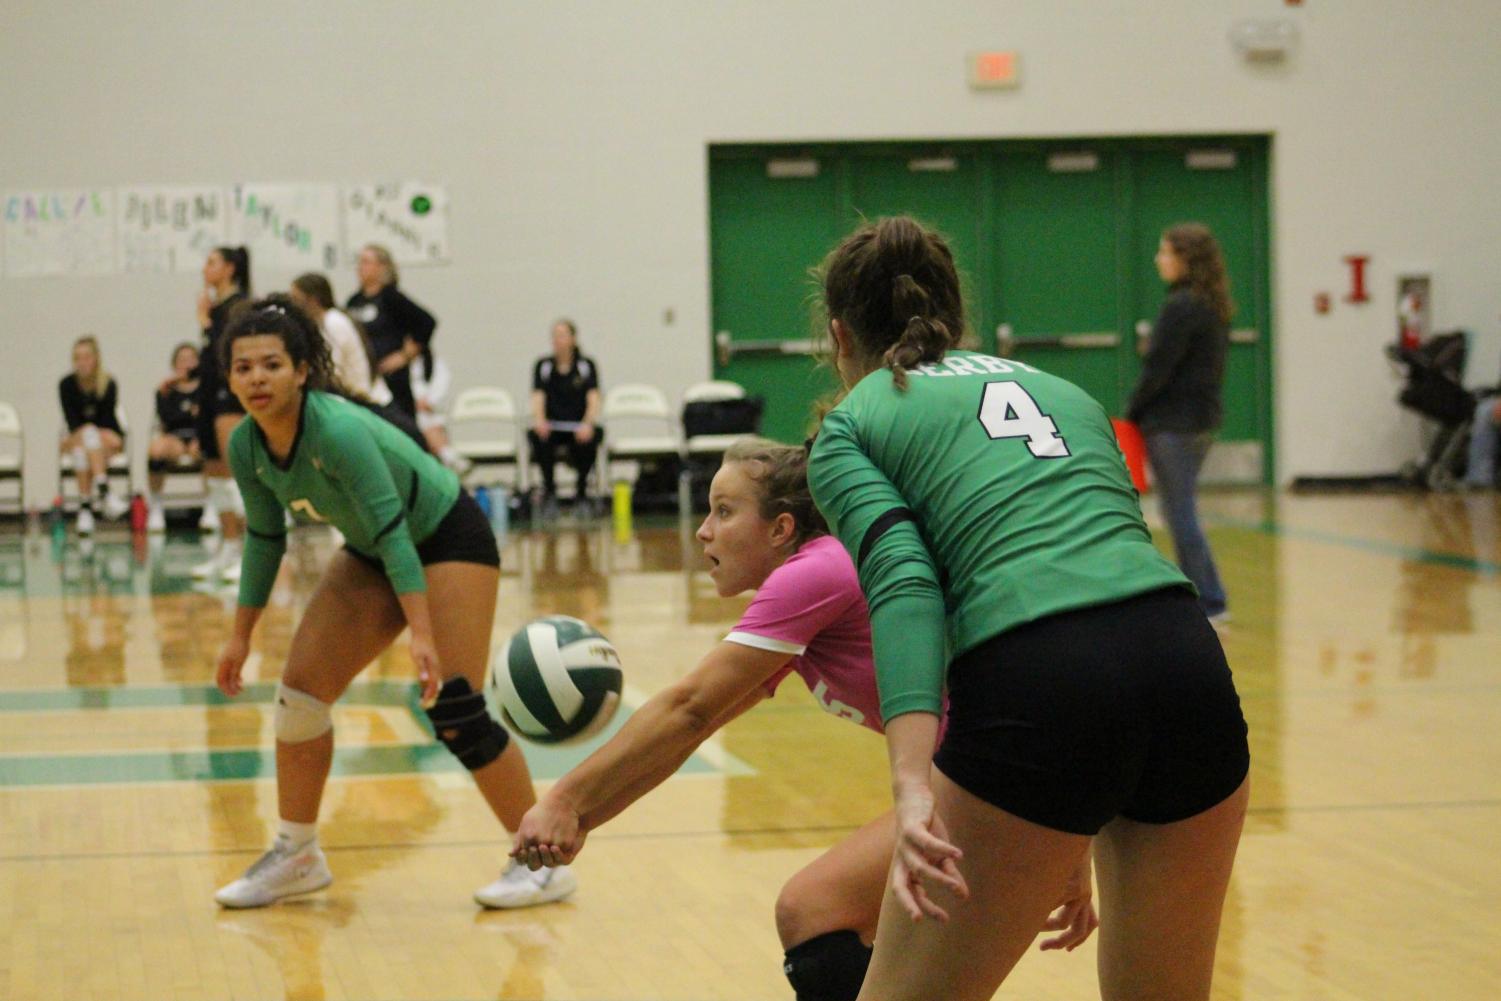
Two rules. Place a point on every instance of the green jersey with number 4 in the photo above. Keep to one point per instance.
(349, 468)
(986, 495)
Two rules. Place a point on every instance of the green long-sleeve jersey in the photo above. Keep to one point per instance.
(351, 469)
(986, 495)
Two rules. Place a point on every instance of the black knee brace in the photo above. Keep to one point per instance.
(465, 726)
(830, 967)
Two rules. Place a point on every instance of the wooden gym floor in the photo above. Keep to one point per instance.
(1366, 645)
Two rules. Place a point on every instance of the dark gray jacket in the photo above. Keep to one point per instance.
(1183, 372)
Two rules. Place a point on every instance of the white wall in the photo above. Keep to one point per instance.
(572, 138)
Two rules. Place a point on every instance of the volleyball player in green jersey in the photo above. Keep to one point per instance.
(419, 555)
(992, 520)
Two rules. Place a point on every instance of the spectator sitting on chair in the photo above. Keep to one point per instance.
(1485, 435)
(565, 412)
(89, 398)
(176, 434)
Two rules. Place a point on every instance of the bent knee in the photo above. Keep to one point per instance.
(807, 908)
(300, 717)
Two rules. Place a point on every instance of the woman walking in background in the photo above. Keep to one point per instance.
(1177, 400)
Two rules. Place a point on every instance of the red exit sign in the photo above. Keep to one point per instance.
(994, 69)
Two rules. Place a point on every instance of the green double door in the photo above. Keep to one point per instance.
(1054, 241)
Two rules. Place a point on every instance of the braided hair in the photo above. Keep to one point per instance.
(894, 286)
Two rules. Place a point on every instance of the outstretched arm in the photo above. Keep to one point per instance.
(657, 739)
(667, 767)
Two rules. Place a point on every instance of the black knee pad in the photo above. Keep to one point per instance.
(830, 967)
(465, 726)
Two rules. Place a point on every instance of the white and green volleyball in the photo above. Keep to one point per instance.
(556, 680)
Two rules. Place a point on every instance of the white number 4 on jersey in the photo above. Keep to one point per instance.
(1008, 411)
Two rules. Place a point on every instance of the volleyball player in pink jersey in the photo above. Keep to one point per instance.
(809, 617)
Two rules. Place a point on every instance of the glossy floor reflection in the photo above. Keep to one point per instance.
(1366, 641)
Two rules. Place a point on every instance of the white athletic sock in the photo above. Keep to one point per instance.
(295, 835)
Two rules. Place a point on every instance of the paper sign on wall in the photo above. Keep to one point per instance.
(292, 227)
(60, 231)
(167, 229)
(409, 218)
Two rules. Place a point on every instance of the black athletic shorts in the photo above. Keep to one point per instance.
(1126, 709)
(214, 399)
(463, 536)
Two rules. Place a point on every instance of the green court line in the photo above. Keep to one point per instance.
(212, 766)
(361, 693)
(1415, 554)
(546, 761)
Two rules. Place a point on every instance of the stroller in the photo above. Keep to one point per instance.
(1434, 389)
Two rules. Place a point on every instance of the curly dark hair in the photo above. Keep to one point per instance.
(277, 316)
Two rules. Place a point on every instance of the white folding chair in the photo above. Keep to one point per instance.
(643, 443)
(710, 445)
(484, 429)
(640, 425)
(12, 457)
(117, 470)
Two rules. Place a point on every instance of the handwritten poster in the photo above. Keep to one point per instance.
(166, 229)
(409, 218)
(59, 231)
(292, 227)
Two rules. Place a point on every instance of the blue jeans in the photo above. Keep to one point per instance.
(1176, 457)
(1484, 435)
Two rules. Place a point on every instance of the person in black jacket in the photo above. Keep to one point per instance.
(399, 329)
(90, 400)
(226, 291)
(1177, 402)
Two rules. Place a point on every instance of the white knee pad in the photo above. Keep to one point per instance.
(299, 716)
(80, 460)
(90, 438)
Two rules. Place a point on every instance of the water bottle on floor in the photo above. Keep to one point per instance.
(500, 512)
(621, 510)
